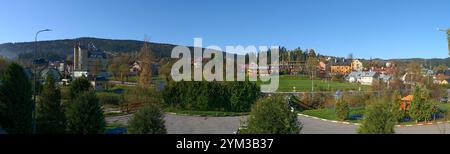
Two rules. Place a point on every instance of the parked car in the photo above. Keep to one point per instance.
(444, 99)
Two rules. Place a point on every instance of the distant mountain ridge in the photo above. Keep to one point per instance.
(63, 48)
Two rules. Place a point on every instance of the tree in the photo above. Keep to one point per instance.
(165, 69)
(378, 119)
(271, 115)
(378, 85)
(50, 116)
(123, 69)
(395, 104)
(311, 64)
(145, 58)
(421, 107)
(350, 56)
(415, 70)
(85, 115)
(118, 65)
(448, 39)
(148, 120)
(78, 86)
(441, 67)
(3, 64)
(114, 69)
(342, 109)
(15, 101)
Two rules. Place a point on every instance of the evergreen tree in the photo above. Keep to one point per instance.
(15, 101)
(50, 116)
(78, 86)
(395, 105)
(342, 109)
(148, 120)
(271, 115)
(85, 115)
(421, 107)
(3, 64)
(378, 119)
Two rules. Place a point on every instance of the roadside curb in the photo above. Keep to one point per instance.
(358, 124)
(333, 121)
(179, 114)
(423, 124)
(192, 115)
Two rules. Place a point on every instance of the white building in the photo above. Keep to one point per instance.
(362, 77)
(354, 77)
(367, 78)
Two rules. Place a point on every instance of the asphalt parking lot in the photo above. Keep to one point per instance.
(180, 124)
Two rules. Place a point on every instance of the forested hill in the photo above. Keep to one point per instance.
(427, 62)
(59, 49)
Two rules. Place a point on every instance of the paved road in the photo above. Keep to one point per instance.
(427, 129)
(177, 124)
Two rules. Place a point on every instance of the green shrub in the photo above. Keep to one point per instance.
(214, 96)
(342, 109)
(271, 115)
(109, 98)
(148, 120)
(65, 93)
(356, 100)
(142, 95)
(378, 119)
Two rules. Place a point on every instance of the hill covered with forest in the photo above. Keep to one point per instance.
(59, 49)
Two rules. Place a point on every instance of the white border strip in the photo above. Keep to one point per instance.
(358, 124)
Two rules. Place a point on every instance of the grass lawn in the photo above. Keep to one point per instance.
(135, 78)
(205, 113)
(330, 114)
(115, 128)
(130, 78)
(445, 106)
(114, 125)
(303, 83)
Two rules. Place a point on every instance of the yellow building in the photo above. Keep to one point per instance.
(341, 69)
(340, 66)
(357, 65)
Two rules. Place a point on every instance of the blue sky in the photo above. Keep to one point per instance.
(366, 28)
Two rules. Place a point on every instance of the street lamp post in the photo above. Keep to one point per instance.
(34, 79)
